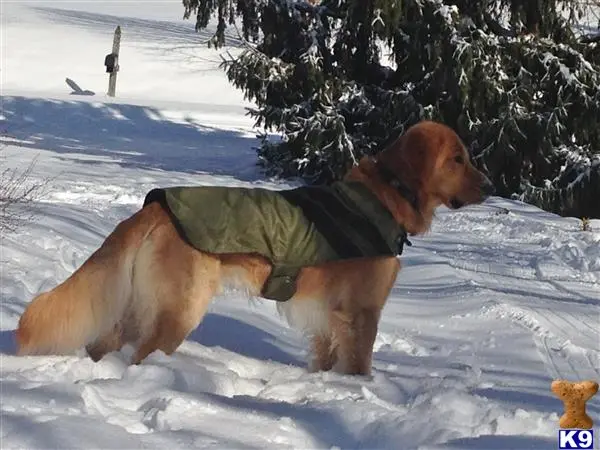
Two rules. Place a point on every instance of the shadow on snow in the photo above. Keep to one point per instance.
(134, 136)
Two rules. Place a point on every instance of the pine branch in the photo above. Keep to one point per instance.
(496, 28)
(590, 38)
(318, 77)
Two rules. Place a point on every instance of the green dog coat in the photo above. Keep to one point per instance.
(294, 228)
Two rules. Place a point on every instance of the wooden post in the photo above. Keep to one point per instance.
(112, 78)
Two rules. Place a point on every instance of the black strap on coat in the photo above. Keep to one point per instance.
(350, 233)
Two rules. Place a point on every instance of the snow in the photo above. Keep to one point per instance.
(446, 11)
(491, 305)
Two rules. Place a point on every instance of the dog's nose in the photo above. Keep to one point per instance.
(487, 187)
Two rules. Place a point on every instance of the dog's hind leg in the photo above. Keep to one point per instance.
(190, 288)
(173, 286)
(171, 327)
(166, 330)
(169, 332)
(110, 342)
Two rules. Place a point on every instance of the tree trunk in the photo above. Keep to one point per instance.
(362, 20)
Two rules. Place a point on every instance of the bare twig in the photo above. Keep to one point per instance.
(17, 192)
(244, 41)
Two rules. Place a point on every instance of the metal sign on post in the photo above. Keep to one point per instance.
(111, 61)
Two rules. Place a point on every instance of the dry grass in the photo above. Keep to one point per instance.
(586, 224)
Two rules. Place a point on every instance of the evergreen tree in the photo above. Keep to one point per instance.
(338, 79)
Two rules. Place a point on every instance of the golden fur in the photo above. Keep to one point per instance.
(147, 287)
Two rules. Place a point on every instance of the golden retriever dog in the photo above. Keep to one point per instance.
(145, 286)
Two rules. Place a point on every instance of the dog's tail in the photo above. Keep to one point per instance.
(91, 301)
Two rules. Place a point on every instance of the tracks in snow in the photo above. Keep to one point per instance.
(563, 317)
(567, 342)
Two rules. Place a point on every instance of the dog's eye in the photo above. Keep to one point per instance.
(459, 159)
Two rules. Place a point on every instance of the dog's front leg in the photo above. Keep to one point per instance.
(354, 334)
(352, 294)
(324, 355)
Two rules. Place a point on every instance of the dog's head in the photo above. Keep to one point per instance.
(432, 160)
(430, 164)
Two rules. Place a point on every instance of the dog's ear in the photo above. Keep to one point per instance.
(406, 158)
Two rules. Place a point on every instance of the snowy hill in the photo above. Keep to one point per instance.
(491, 305)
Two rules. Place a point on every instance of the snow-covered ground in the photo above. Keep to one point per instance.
(491, 306)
